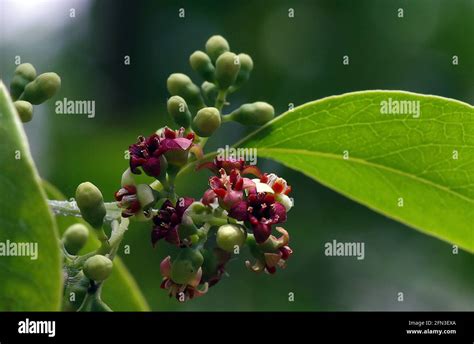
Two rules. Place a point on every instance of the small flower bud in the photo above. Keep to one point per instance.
(91, 203)
(210, 91)
(24, 74)
(202, 64)
(227, 69)
(98, 268)
(127, 178)
(229, 236)
(42, 88)
(257, 113)
(75, 238)
(24, 109)
(185, 267)
(215, 46)
(178, 109)
(145, 195)
(179, 84)
(207, 121)
(246, 66)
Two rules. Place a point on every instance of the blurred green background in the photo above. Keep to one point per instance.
(296, 60)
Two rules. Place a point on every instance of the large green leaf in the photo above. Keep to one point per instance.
(120, 290)
(391, 156)
(25, 284)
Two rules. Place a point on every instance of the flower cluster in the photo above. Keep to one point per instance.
(240, 208)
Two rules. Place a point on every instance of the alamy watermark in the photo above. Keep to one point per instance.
(75, 107)
(345, 249)
(249, 155)
(400, 107)
(19, 249)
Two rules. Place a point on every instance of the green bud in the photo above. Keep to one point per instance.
(230, 236)
(246, 66)
(257, 113)
(98, 268)
(128, 178)
(145, 195)
(75, 238)
(178, 109)
(216, 46)
(179, 84)
(24, 74)
(91, 203)
(227, 69)
(42, 88)
(24, 109)
(202, 64)
(207, 121)
(210, 91)
(186, 265)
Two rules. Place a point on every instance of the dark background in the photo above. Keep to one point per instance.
(296, 60)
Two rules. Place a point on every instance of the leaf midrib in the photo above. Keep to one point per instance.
(368, 163)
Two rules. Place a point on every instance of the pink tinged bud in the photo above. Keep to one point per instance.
(165, 267)
(209, 197)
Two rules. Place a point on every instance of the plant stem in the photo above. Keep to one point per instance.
(221, 100)
(70, 208)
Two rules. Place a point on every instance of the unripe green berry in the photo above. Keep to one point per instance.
(201, 63)
(24, 74)
(230, 236)
(91, 203)
(207, 121)
(179, 84)
(42, 88)
(210, 91)
(257, 113)
(75, 238)
(178, 109)
(98, 268)
(246, 66)
(186, 265)
(227, 69)
(24, 109)
(215, 46)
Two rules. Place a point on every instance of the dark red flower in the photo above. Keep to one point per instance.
(269, 260)
(168, 221)
(230, 164)
(149, 153)
(127, 200)
(228, 189)
(261, 211)
(182, 292)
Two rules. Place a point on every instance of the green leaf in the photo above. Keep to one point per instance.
(120, 291)
(25, 284)
(391, 156)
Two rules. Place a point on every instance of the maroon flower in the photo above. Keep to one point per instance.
(268, 261)
(127, 200)
(182, 292)
(230, 164)
(168, 221)
(228, 189)
(149, 153)
(261, 211)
